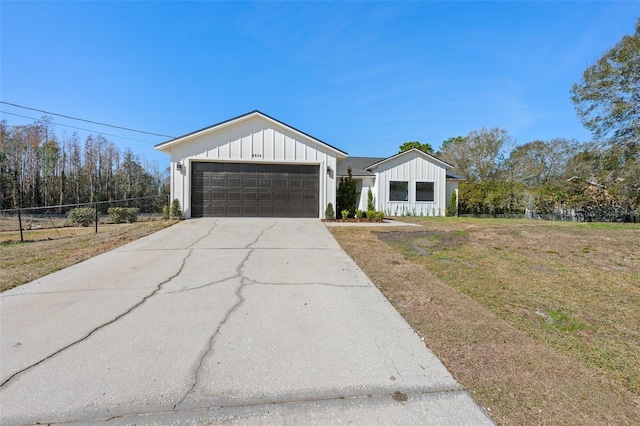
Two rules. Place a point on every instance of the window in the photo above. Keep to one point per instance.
(398, 190)
(424, 191)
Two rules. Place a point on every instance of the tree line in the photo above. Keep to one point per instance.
(550, 176)
(544, 177)
(39, 168)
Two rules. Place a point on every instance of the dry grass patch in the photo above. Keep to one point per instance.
(538, 320)
(24, 262)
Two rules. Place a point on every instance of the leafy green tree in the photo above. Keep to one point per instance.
(347, 195)
(607, 99)
(492, 197)
(424, 147)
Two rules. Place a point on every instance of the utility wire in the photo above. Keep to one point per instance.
(80, 128)
(87, 121)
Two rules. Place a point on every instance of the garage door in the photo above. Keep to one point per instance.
(254, 190)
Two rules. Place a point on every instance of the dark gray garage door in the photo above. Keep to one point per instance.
(251, 190)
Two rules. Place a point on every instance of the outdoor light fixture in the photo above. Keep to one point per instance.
(178, 166)
(328, 170)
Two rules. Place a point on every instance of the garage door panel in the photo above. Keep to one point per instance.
(265, 210)
(265, 183)
(217, 196)
(234, 182)
(217, 210)
(234, 196)
(250, 196)
(280, 197)
(295, 197)
(280, 183)
(218, 181)
(265, 197)
(295, 210)
(249, 210)
(250, 182)
(256, 190)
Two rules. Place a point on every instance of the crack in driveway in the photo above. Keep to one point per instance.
(243, 282)
(309, 284)
(103, 325)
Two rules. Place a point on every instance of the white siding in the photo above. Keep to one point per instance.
(253, 139)
(411, 167)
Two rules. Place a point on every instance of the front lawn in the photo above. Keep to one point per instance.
(539, 320)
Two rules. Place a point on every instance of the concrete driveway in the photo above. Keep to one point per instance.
(254, 321)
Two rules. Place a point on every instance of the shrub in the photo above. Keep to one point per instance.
(370, 214)
(329, 214)
(174, 211)
(123, 214)
(346, 194)
(83, 216)
(370, 202)
(345, 214)
(377, 217)
(165, 212)
(358, 214)
(452, 210)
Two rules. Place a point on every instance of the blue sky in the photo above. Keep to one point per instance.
(364, 77)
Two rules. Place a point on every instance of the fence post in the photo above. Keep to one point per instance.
(20, 224)
(96, 206)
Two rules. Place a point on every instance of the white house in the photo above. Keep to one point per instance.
(410, 183)
(254, 165)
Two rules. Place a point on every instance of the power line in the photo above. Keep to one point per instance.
(87, 121)
(80, 128)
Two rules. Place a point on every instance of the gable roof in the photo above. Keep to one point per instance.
(415, 150)
(255, 113)
(358, 166)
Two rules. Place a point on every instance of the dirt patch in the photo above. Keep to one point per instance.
(422, 243)
(552, 344)
(24, 262)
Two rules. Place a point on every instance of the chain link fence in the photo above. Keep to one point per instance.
(53, 222)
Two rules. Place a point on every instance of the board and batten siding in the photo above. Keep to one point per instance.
(411, 168)
(253, 139)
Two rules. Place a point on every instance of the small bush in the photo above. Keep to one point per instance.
(345, 214)
(329, 214)
(358, 214)
(452, 210)
(370, 201)
(165, 212)
(370, 214)
(376, 216)
(83, 216)
(174, 211)
(123, 214)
